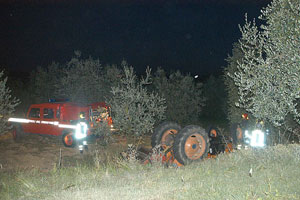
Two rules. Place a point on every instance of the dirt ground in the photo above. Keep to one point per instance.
(45, 152)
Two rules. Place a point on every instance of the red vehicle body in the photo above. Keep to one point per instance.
(44, 118)
(59, 118)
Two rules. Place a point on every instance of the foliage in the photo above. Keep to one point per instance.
(268, 74)
(7, 104)
(44, 82)
(184, 98)
(79, 80)
(234, 112)
(82, 80)
(135, 109)
(103, 132)
(214, 93)
(112, 76)
(20, 89)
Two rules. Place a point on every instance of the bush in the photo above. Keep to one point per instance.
(79, 80)
(214, 92)
(103, 131)
(184, 98)
(82, 80)
(268, 75)
(135, 109)
(234, 112)
(7, 104)
(45, 82)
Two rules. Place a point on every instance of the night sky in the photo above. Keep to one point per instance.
(192, 36)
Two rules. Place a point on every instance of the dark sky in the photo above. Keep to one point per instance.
(193, 36)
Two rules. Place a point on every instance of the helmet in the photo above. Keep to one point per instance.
(82, 115)
(245, 116)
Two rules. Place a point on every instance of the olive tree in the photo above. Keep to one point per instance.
(268, 75)
(215, 104)
(184, 98)
(7, 104)
(135, 109)
(82, 80)
(234, 112)
(45, 82)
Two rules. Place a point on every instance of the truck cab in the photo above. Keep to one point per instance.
(45, 118)
(63, 119)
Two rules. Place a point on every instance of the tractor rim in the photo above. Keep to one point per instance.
(195, 146)
(68, 139)
(167, 138)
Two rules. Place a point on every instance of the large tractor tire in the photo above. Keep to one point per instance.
(164, 135)
(17, 132)
(68, 138)
(191, 144)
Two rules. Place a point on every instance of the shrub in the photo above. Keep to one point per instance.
(135, 109)
(82, 80)
(234, 112)
(268, 75)
(215, 104)
(103, 131)
(7, 104)
(44, 82)
(184, 98)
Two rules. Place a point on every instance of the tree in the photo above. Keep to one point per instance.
(112, 75)
(45, 82)
(82, 80)
(79, 80)
(184, 98)
(234, 112)
(7, 104)
(268, 75)
(135, 109)
(215, 95)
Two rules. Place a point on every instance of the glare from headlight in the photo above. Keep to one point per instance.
(257, 138)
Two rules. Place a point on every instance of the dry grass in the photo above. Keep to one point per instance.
(275, 175)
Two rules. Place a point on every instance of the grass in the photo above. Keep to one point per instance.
(275, 175)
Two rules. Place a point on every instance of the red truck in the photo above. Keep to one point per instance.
(62, 119)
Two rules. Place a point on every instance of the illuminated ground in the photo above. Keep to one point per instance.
(43, 153)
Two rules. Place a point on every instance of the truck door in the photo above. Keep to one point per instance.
(48, 121)
(33, 126)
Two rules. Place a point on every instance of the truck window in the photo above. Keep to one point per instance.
(34, 113)
(48, 113)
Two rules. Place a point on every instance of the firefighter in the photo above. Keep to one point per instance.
(81, 132)
(237, 131)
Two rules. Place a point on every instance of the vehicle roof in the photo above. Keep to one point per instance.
(55, 104)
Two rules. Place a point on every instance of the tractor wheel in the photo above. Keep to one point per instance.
(68, 139)
(164, 134)
(17, 132)
(191, 144)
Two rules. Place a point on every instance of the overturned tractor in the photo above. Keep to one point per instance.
(192, 143)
